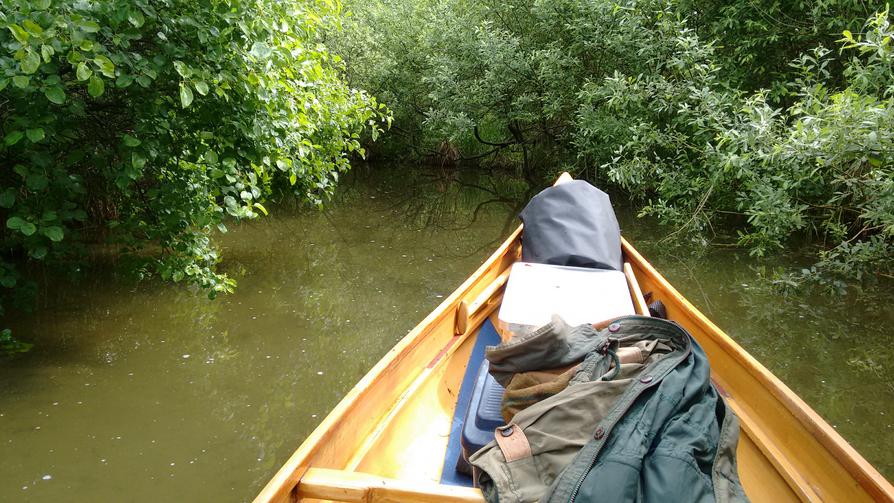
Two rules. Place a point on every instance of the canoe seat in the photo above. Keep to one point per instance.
(462, 440)
(482, 417)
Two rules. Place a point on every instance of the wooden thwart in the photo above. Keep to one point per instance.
(353, 487)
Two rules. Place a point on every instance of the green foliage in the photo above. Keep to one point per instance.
(704, 111)
(824, 165)
(472, 80)
(148, 123)
(757, 39)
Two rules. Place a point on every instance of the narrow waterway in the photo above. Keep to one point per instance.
(149, 392)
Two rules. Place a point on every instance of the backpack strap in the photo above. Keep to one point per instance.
(512, 441)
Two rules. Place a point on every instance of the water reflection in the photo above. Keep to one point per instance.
(158, 393)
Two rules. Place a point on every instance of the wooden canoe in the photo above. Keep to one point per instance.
(385, 441)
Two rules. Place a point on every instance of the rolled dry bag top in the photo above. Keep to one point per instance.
(572, 224)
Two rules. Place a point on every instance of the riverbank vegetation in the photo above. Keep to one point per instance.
(775, 119)
(147, 124)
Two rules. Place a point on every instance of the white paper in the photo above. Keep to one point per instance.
(535, 292)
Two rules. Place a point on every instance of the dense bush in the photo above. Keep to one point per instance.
(824, 165)
(757, 39)
(702, 110)
(148, 123)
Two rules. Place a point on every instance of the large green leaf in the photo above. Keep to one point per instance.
(130, 141)
(15, 223)
(185, 95)
(21, 81)
(201, 86)
(87, 25)
(47, 51)
(21, 225)
(31, 62)
(54, 232)
(136, 18)
(19, 33)
(28, 228)
(183, 69)
(13, 137)
(137, 160)
(83, 72)
(32, 27)
(35, 134)
(105, 66)
(55, 94)
(96, 86)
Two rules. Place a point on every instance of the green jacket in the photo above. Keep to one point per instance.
(654, 430)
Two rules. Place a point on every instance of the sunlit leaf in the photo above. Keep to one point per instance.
(35, 134)
(47, 51)
(105, 65)
(201, 86)
(182, 69)
(87, 25)
(20, 34)
(185, 95)
(30, 63)
(83, 72)
(135, 17)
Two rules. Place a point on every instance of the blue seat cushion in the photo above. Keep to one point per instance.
(469, 391)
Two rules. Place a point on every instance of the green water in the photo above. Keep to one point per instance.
(147, 392)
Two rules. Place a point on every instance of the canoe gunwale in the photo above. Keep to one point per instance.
(852, 461)
(282, 487)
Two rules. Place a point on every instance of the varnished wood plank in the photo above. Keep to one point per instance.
(468, 309)
(319, 483)
(636, 294)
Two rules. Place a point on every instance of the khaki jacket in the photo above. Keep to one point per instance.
(653, 429)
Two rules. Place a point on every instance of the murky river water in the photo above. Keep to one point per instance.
(147, 392)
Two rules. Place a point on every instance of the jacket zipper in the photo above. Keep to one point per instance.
(580, 481)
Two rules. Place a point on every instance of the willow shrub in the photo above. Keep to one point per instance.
(148, 124)
(713, 115)
(822, 166)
